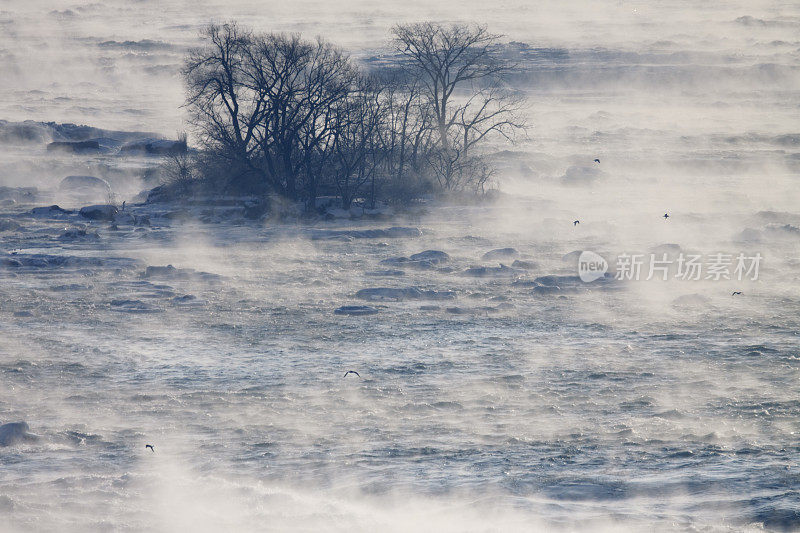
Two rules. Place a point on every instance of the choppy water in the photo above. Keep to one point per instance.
(644, 405)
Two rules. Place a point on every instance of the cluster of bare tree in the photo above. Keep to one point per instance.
(279, 114)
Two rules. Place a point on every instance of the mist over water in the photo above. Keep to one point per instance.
(635, 405)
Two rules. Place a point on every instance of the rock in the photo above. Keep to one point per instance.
(70, 234)
(169, 272)
(15, 432)
(132, 306)
(13, 195)
(553, 280)
(524, 265)
(492, 272)
(6, 224)
(561, 284)
(158, 194)
(387, 273)
(155, 147)
(49, 211)
(749, 235)
(434, 257)
(576, 175)
(179, 214)
(546, 290)
(99, 212)
(125, 218)
(85, 185)
(74, 147)
(355, 310)
(67, 261)
(23, 132)
(500, 253)
(82, 182)
(70, 287)
(691, 301)
(412, 293)
(782, 231)
(407, 262)
(388, 233)
(185, 299)
(400, 232)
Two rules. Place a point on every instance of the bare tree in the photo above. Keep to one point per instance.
(302, 82)
(357, 141)
(276, 113)
(490, 110)
(224, 108)
(408, 135)
(462, 80)
(264, 102)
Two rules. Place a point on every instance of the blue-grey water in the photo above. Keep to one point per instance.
(630, 405)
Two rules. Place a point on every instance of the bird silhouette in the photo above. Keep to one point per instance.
(597, 161)
(736, 292)
(576, 222)
(152, 448)
(351, 372)
(666, 216)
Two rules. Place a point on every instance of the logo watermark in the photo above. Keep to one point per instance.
(685, 267)
(591, 266)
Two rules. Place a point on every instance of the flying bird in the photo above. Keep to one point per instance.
(152, 449)
(597, 161)
(666, 216)
(351, 372)
(576, 222)
(736, 292)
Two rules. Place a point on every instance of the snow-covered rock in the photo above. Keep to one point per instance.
(355, 310)
(432, 256)
(387, 233)
(411, 293)
(500, 253)
(50, 211)
(524, 265)
(77, 233)
(84, 185)
(577, 175)
(15, 432)
(6, 224)
(75, 147)
(492, 272)
(169, 272)
(99, 212)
